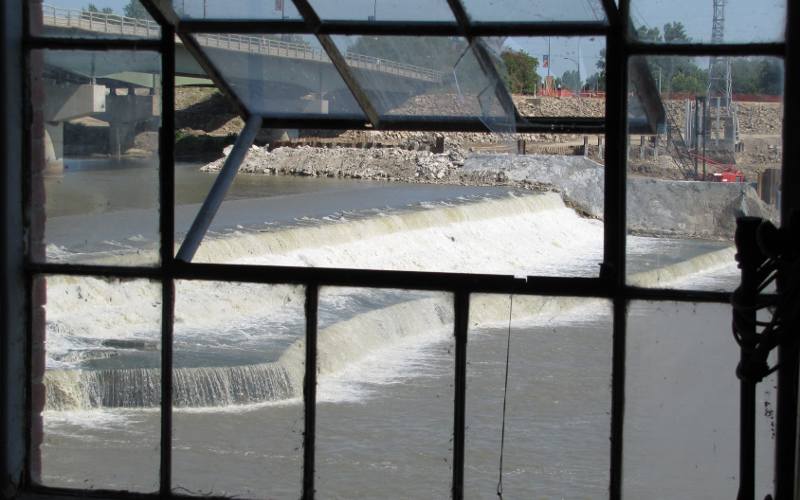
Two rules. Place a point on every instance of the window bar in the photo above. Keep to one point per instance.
(166, 149)
(310, 390)
(749, 257)
(786, 444)
(460, 327)
(216, 196)
(167, 320)
(612, 12)
(721, 49)
(613, 268)
(313, 22)
(438, 123)
(484, 58)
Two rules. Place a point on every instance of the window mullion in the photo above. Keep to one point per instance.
(613, 270)
(310, 390)
(461, 325)
(167, 235)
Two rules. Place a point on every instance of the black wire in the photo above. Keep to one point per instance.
(505, 399)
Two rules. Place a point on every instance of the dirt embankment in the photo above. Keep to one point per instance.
(206, 122)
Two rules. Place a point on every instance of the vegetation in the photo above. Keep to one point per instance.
(683, 74)
(440, 53)
(570, 80)
(93, 8)
(520, 75)
(135, 9)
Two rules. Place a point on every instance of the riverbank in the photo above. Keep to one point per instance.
(657, 207)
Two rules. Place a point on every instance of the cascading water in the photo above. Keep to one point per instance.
(84, 315)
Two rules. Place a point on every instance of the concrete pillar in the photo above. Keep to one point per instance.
(54, 148)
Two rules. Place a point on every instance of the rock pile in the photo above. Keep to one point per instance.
(385, 164)
(560, 106)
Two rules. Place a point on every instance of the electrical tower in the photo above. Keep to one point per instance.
(722, 126)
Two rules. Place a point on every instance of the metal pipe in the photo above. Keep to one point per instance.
(217, 194)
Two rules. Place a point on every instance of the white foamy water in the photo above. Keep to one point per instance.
(385, 374)
(521, 235)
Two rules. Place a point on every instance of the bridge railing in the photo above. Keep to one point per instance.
(261, 45)
(99, 22)
(387, 66)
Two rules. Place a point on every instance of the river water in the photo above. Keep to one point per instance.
(385, 392)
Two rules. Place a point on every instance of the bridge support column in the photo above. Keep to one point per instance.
(54, 148)
(124, 112)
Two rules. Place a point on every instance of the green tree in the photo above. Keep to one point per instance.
(135, 9)
(520, 75)
(770, 77)
(571, 80)
(93, 8)
(646, 34)
(597, 81)
(675, 32)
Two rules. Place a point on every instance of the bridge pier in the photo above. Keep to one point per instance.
(64, 102)
(54, 148)
(125, 111)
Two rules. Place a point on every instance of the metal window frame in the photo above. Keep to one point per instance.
(611, 283)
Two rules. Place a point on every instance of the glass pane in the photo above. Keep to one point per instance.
(729, 21)
(383, 10)
(555, 76)
(558, 401)
(98, 19)
(236, 9)
(403, 201)
(682, 405)
(421, 75)
(96, 391)
(238, 389)
(385, 394)
(94, 158)
(714, 156)
(534, 11)
(279, 74)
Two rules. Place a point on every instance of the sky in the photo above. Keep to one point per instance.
(746, 20)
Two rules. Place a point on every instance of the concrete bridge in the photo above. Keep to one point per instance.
(77, 21)
(270, 75)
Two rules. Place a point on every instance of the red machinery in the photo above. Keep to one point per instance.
(722, 172)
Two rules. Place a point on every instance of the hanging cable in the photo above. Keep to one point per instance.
(505, 400)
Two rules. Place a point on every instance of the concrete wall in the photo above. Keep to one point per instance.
(655, 206)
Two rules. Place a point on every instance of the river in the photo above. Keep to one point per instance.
(384, 417)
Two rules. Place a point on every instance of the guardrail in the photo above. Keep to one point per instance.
(113, 24)
(99, 22)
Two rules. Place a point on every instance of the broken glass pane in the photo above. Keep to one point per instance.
(421, 76)
(279, 74)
